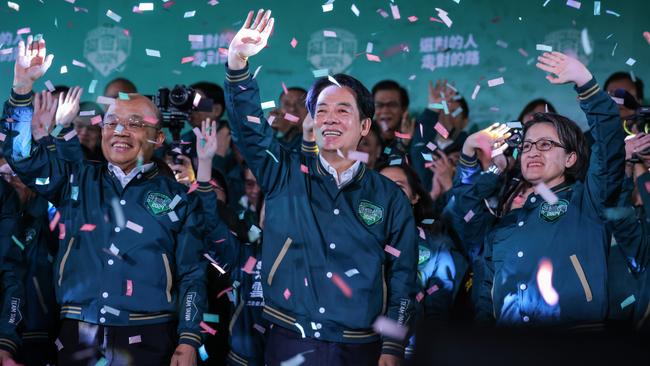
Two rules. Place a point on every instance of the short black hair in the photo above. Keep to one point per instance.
(532, 105)
(623, 75)
(392, 85)
(363, 97)
(60, 89)
(296, 89)
(571, 137)
(212, 91)
(129, 87)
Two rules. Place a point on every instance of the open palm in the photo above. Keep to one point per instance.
(32, 61)
(44, 110)
(252, 37)
(206, 146)
(68, 106)
(563, 69)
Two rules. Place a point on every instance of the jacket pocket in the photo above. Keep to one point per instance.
(64, 260)
(168, 274)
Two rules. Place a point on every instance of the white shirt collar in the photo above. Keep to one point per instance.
(126, 178)
(346, 177)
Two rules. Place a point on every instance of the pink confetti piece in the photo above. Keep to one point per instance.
(253, 119)
(340, 283)
(546, 193)
(213, 2)
(25, 30)
(87, 227)
(495, 82)
(293, 43)
(574, 4)
(419, 297)
(443, 15)
(70, 135)
(358, 156)
(250, 264)
(135, 339)
(330, 34)
(287, 294)
(389, 328)
(383, 13)
(523, 52)
(291, 118)
(61, 231)
(207, 329)
(136, 9)
(422, 234)
(193, 187)
(394, 11)
(412, 19)
(432, 289)
(428, 165)
(402, 135)
(468, 215)
(304, 169)
(284, 88)
(2, 136)
(133, 226)
(129, 288)
(55, 220)
(223, 292)
(78, 63)
(96, 120)
(441, 130)
(187, 59)
(373, 58)
(393, 251)
(168, 4)
(431, 146)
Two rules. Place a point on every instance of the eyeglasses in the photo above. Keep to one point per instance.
(390, 105)
(540, 145)
(133, 124)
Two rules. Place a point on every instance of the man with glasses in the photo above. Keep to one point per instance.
(129, 274)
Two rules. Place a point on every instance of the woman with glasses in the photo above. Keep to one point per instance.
(544, 253)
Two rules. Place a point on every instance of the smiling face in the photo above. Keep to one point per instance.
(388, 109)
(122, 148)
(337, 120)
(545, 166)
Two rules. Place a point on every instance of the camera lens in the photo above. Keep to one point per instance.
(179, 96)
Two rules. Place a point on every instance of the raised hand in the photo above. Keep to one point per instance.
(32, 62)
(250, 39)
(68, 107)
(43, 117)
(566, 69)
(486, 139)
(440, 92)
(443, 170)
(206, 147)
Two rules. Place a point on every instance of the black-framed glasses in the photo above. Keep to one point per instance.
(390, 105)
(133, 124)
(540, 145)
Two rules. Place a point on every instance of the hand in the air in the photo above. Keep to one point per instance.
(32, 61)
(250, 39)
(566, 69)
(43, 117)
(68, 107)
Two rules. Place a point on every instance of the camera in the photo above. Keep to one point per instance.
(516, 131)
(639, 122)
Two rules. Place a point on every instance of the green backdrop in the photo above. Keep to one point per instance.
(488, 39)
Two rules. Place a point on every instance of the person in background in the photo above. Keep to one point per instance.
(535, 106)
(89, 133)
(119, 85)
(288, 118)
(372, 145)
(632, 85)
(391, 111)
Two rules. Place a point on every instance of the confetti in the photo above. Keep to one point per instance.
(543, 47)
(330, 34)
(586, 44)
(113, 16)
(596, 7)
(328, 7)
(152, 53)
(475, 92)
(393, 251)
(145, 7)
(340, 283)
(523, 52)
(333, 81)
(257, 71)
(383, 13)
(42, 181)
(546, 193)
(431, 146)
(211, 318)
(18, 243)
(611, 12)
(133, 226)
(269, 104)
(358, 156)
(207, 328)
(630, 61)
(304, 169)
(422, 234)
(373, 58)
(502, 44)
(389, 327)
(105, 100)
(395, 162)
(187, 59)
(574, 4)
(88, 227)
(419, 297)
(394, 11)
(6, 51)
(442, 131)
(291, 118)
(203, 353)
(96, 120)
(443, 15)
(189, 14)
(25, 30)
(287, 294)
(355, 10)
(468, 216)
(14, 6)
(49, 85)
(351, 272)
(253, 119)
(168, 4)
(135, 339)
(293, 42)
(102, 362)
(55, 220)
(546, 3)
(273, 156)
(250, 265)
(628, 301)
(495, 82)
(92, 86)
(320, 73)
(412, 19)
(296, 360)
(172, 216)
(61, 231)
(64, 69)
(59, 345)
(195, 37)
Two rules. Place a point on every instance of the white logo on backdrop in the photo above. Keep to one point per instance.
(333, 53)
(106, 48)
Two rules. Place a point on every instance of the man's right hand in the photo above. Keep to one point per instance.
(44, 111)
(32, 62)
(68, 106)
(250, 39)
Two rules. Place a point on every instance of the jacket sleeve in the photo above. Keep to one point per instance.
(401, 272)
(251, 132)
(70, 150)
(607, 161)
(427, 120)
(191, 274)
(11, 271)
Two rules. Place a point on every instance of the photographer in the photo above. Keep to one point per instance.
(552, 226)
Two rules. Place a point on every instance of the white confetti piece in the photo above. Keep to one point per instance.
(59, 345)
(543, 47)
(320, 73)
(389, 328)
(135, 339)
(546, 193)
(443, 15)
(172, 216)
(269, 104)
(133, 226)
(6, 51)
(2, 136)
(176, 200)
(596, 7)
(105, 100)
(630, 61)
(14, 6)
(330, 34)
(145, 7)
(351, 272)
(114, 250)
(42, 181)
(195, 37)
(49, 85)
(394, 11)
(369, 47)
(358, 156)
(611, 12)
(328, 7)
(355, 10)
(152, 53)
(468, 216)
(586, 44)
(189, 14)
(92, 86)
(495, 82)
(574, 4)
(257, 71)
(475, 92)
(70, 135)
(502, 44)
(64, 69)
(296, 360)
(78, 63)
(111, 310)
(113, 16)
(333, 81)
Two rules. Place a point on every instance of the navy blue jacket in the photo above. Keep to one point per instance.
(322, 242)
(571, 233)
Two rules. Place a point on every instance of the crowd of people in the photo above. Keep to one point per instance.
(318, 234)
